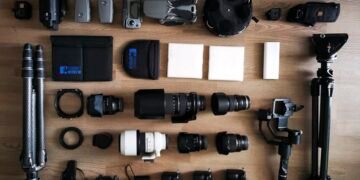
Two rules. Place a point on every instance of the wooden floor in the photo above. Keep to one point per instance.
(260, 161)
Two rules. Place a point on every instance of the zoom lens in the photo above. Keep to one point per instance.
(155, 104)
(187, 143)
(145, 144)
(228, 143)
(99, 105)
(221, 103)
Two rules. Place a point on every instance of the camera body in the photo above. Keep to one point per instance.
(52, 12)
(132, 14)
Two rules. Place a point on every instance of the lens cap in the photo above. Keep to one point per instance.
(102, 140)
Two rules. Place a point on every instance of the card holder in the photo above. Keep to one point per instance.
(82, 58)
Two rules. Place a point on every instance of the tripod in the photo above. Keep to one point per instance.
(33, 157)
(322, 88)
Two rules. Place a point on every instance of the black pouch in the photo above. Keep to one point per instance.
(141, 59)
(312, 12)
(82, 58)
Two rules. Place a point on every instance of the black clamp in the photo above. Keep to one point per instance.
(71, 146)
(58, 108)
(273, 14)
(22, 10)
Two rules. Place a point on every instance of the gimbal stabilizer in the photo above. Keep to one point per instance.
(281, 111)
(322, 87)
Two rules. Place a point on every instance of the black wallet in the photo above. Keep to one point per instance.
(82, 58)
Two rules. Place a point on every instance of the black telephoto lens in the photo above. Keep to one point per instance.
(187, 143)
(228, 143)
(202, 175)
(235, 174)
(170, 176)
(155, 104)
(99, 105)
(221, 103)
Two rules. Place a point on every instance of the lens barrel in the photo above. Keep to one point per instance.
(155, 104)
(170, 176)
(145, 144)
(202, 175)
(235, 174)
(221, 103)
(187, 143)
(99, 105)
(228, 143)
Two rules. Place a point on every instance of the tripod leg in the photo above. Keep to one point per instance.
(40, 124)
(327, 87)
(315, 92)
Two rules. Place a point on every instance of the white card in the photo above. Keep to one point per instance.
(185, 60)
(226, 63)
(271, 60)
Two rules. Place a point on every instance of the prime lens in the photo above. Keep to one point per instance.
(202, 175)
(187, 143)
(99, 105)
(235, 174)
(228, 143)
(221, 103)
(170, 176)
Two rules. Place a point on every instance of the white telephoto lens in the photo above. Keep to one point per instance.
(160, 142)
(148, 144)
(128, 143)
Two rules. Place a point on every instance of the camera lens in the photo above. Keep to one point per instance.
(228, 143)
(221, 103)
(99, 105)
(235, 174)
(187, 143)
(155, 103)
(202, 175)
(146, 144)
(170, 176)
